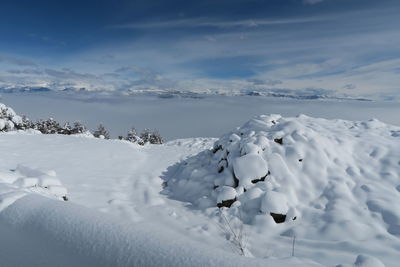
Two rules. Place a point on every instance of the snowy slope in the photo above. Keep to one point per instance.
(124, 181)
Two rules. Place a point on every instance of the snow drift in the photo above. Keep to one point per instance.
(38, 231)
(24, 180)
(303, 176)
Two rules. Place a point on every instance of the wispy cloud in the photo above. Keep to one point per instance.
(210, 22)
(25, 71)
(17, 61)
(68, 74)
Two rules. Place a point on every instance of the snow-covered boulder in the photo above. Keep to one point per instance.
(9, 120)
(337, 179)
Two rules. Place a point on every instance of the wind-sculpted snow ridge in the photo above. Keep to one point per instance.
(9, 120)
(313, 178)
(25, 180)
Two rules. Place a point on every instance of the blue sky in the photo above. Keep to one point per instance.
(334, 46)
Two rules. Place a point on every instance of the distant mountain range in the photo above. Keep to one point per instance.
(279, 93)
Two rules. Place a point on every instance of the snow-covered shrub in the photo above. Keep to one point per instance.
(68, 129)
(78, 128)
(49, 126)
(152, 137)
(26, 124)
(145, 135)
(155, 138)
(133, 137)
(101, 132)
(316, 172)
(9, 120)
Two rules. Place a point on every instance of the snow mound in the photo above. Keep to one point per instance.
(303, 176)
(25, 180)
(9, 120)
(367, 261)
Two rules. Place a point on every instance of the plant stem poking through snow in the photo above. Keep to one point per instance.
(294, 242)
(234, 233)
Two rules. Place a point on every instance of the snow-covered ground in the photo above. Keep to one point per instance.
(127, 223)
(131, 205)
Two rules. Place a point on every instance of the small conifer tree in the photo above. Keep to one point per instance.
(78, 128)
(101, 132)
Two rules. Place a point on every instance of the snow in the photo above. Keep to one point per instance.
(334, 180)
(226, 193)
(148, 229)
(367, 261)
(155, 205)
(274, 202)
(75, 236)
(24, 180)
(249, 167)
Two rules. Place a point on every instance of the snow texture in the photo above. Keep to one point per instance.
(25, 180)
(336, 182)
(77, 236)
(333, 179)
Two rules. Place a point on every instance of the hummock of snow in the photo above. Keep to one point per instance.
(8, 118)
(25, 180)
(367, 261)
(334, 179)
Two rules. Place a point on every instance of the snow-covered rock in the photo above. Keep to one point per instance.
(330, 179)
(274, 202)
(248, 168)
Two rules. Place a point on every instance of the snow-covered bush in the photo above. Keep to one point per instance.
(133, 137)
(9, 120)
(49, 126)
(26, 124)
(78, 128)
(146, 137)
(151, 137)
(155, 138)
(316, 172)
(101, 132)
